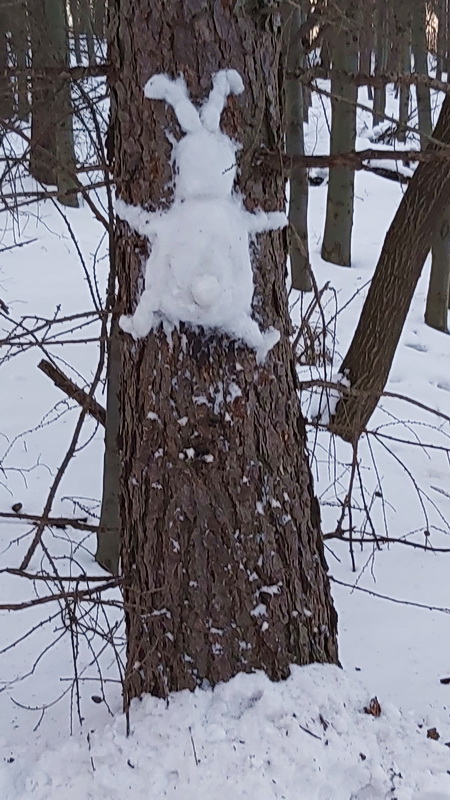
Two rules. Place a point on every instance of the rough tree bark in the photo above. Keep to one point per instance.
(222, 554)
(400, 264)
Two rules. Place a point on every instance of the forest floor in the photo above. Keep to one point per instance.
(308, 737)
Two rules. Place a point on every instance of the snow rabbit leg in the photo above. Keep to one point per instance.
(142, 321)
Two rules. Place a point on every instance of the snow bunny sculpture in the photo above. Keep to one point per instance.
(199, 270)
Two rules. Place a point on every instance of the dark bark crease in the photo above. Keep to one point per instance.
(196, 549)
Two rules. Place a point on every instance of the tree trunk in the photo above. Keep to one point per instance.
(108, 539)
(405, 249)
(295, 145)
(436, 311)
(337, 237)
(437, 297)
(99, 18)
(446, 65)
(52, 157)
(420, 53)
(325, 50)
(6, 93)
(20, 48)
(86, 28)
(381, 57)
(43, 130)
(76, 29)
(222, 555)
(402, 42)
(441, 12)
(366, 44)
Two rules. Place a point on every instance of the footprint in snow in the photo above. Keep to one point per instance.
(421, 348)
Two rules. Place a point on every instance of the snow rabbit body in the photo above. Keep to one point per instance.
(199, 270)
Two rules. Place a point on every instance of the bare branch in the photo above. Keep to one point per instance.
(73, 391)
(76, 594)
(308, 76)
(47, 578)
(56, 522)
(355, 159)
(73, 73)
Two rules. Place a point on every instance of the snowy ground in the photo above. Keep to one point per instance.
(309, 737)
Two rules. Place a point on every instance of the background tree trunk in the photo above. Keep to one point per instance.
(436, 311)
(20, 49)
(420, 53)
(295, 145)
(441, 12)
(437, 297)
(366, 38)
(52, 156)
(99, 18)
(108, 539)
(384, 313)
(74, 6)
(401, 37)
(203, 539)
(6, 94)
(337, 237)
(87, 29)
(381, 58)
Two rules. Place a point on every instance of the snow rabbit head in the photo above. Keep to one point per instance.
(206, 157)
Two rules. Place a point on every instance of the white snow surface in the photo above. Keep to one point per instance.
(199, 270)
(307, 737)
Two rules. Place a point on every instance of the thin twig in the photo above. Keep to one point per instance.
(352, 586)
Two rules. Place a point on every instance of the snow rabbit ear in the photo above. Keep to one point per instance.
(175, 93)
(225, 82)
